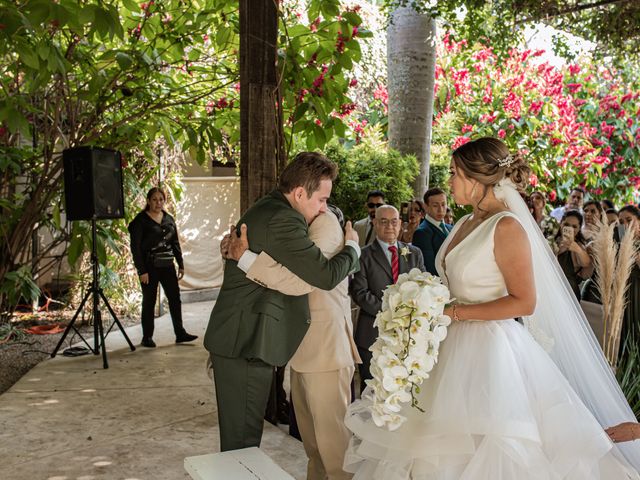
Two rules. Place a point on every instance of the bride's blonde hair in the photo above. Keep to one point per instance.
(488, 160)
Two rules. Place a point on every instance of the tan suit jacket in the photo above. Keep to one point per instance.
(328, 344)
(362, 227)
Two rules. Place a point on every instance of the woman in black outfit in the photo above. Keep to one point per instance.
(155, 246)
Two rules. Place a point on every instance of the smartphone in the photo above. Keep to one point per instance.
(621, 230)
(567, 232)
(404, 211)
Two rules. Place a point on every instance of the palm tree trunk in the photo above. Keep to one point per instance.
(411, 61)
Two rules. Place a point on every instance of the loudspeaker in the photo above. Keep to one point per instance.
(93, 183)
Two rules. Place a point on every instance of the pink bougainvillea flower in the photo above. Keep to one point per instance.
(459, 141)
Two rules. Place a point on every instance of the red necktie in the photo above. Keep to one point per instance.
(395, 267)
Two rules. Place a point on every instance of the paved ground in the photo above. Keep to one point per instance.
(68, 419)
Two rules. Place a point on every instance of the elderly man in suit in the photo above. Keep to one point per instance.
(322, 367)
(433, 231)
(364, 226)
(253, 328)
(380, 264)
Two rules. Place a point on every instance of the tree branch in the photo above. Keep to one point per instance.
(574, 9)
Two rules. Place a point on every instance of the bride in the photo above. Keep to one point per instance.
(505, 401)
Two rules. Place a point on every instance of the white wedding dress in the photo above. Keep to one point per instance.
(496, 406)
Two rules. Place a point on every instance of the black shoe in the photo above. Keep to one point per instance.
(148, 342)
(185, 337)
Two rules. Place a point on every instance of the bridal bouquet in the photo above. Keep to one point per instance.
(411, 326)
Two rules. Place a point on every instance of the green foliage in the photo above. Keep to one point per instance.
(439, 167)
(577, 125)
(16, 286)
(370, 165)
(316, 63)
(628, 368)
(141, 78)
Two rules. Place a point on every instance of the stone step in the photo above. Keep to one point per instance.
(245, 464)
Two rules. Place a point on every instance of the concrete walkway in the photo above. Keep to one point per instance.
(68, 419)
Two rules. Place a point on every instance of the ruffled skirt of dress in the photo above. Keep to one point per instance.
(496, 408)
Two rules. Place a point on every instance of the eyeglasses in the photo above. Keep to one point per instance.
(385, 222)
(374, 205)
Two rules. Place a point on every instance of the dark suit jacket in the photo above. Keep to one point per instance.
(251, 321)
(428, 238)
(369, 282)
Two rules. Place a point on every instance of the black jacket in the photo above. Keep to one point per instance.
(147, 234)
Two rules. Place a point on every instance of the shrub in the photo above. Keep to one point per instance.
(370, 165)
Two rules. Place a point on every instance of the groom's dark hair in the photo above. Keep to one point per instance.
(307, 170)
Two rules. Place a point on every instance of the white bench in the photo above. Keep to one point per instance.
(245, 464)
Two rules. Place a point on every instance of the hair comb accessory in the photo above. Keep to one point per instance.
(506, 161)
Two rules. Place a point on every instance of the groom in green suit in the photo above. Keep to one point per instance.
(252, 329)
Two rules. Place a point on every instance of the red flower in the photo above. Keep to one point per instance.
(314, 25)
(535, 107)
(459, 141)
(381, 94)
(502, 133)
(347, 108)
(574, 69)
(512, 104)
(353, 82)
(488, 118)
(552, 196)
(340, 44)
(467, 128)
(574, 87)
(533, 180)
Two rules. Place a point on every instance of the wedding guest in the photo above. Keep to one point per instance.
(630, 335)
(416, 216)
(433, 231)
(364, 226)
(607, 204)
(624, 432)
(612, 216)
(593, 216)
(380, 264)
(548, 224)
(155, 248)
(576, 198)
(448, 217)
(572, 250)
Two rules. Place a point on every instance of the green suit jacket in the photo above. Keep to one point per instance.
(251, 321)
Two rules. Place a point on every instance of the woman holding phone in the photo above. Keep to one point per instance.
(572, 250)
(413, 214)
(630, 335)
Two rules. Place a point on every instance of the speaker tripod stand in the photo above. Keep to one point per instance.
(96, 293)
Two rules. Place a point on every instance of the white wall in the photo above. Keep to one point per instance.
(208, 206)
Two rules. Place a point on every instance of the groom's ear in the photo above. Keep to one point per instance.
(299, 193)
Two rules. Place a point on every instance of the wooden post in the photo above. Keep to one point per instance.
(260, 133)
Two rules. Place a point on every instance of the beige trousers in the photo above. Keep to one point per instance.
(320, 401)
